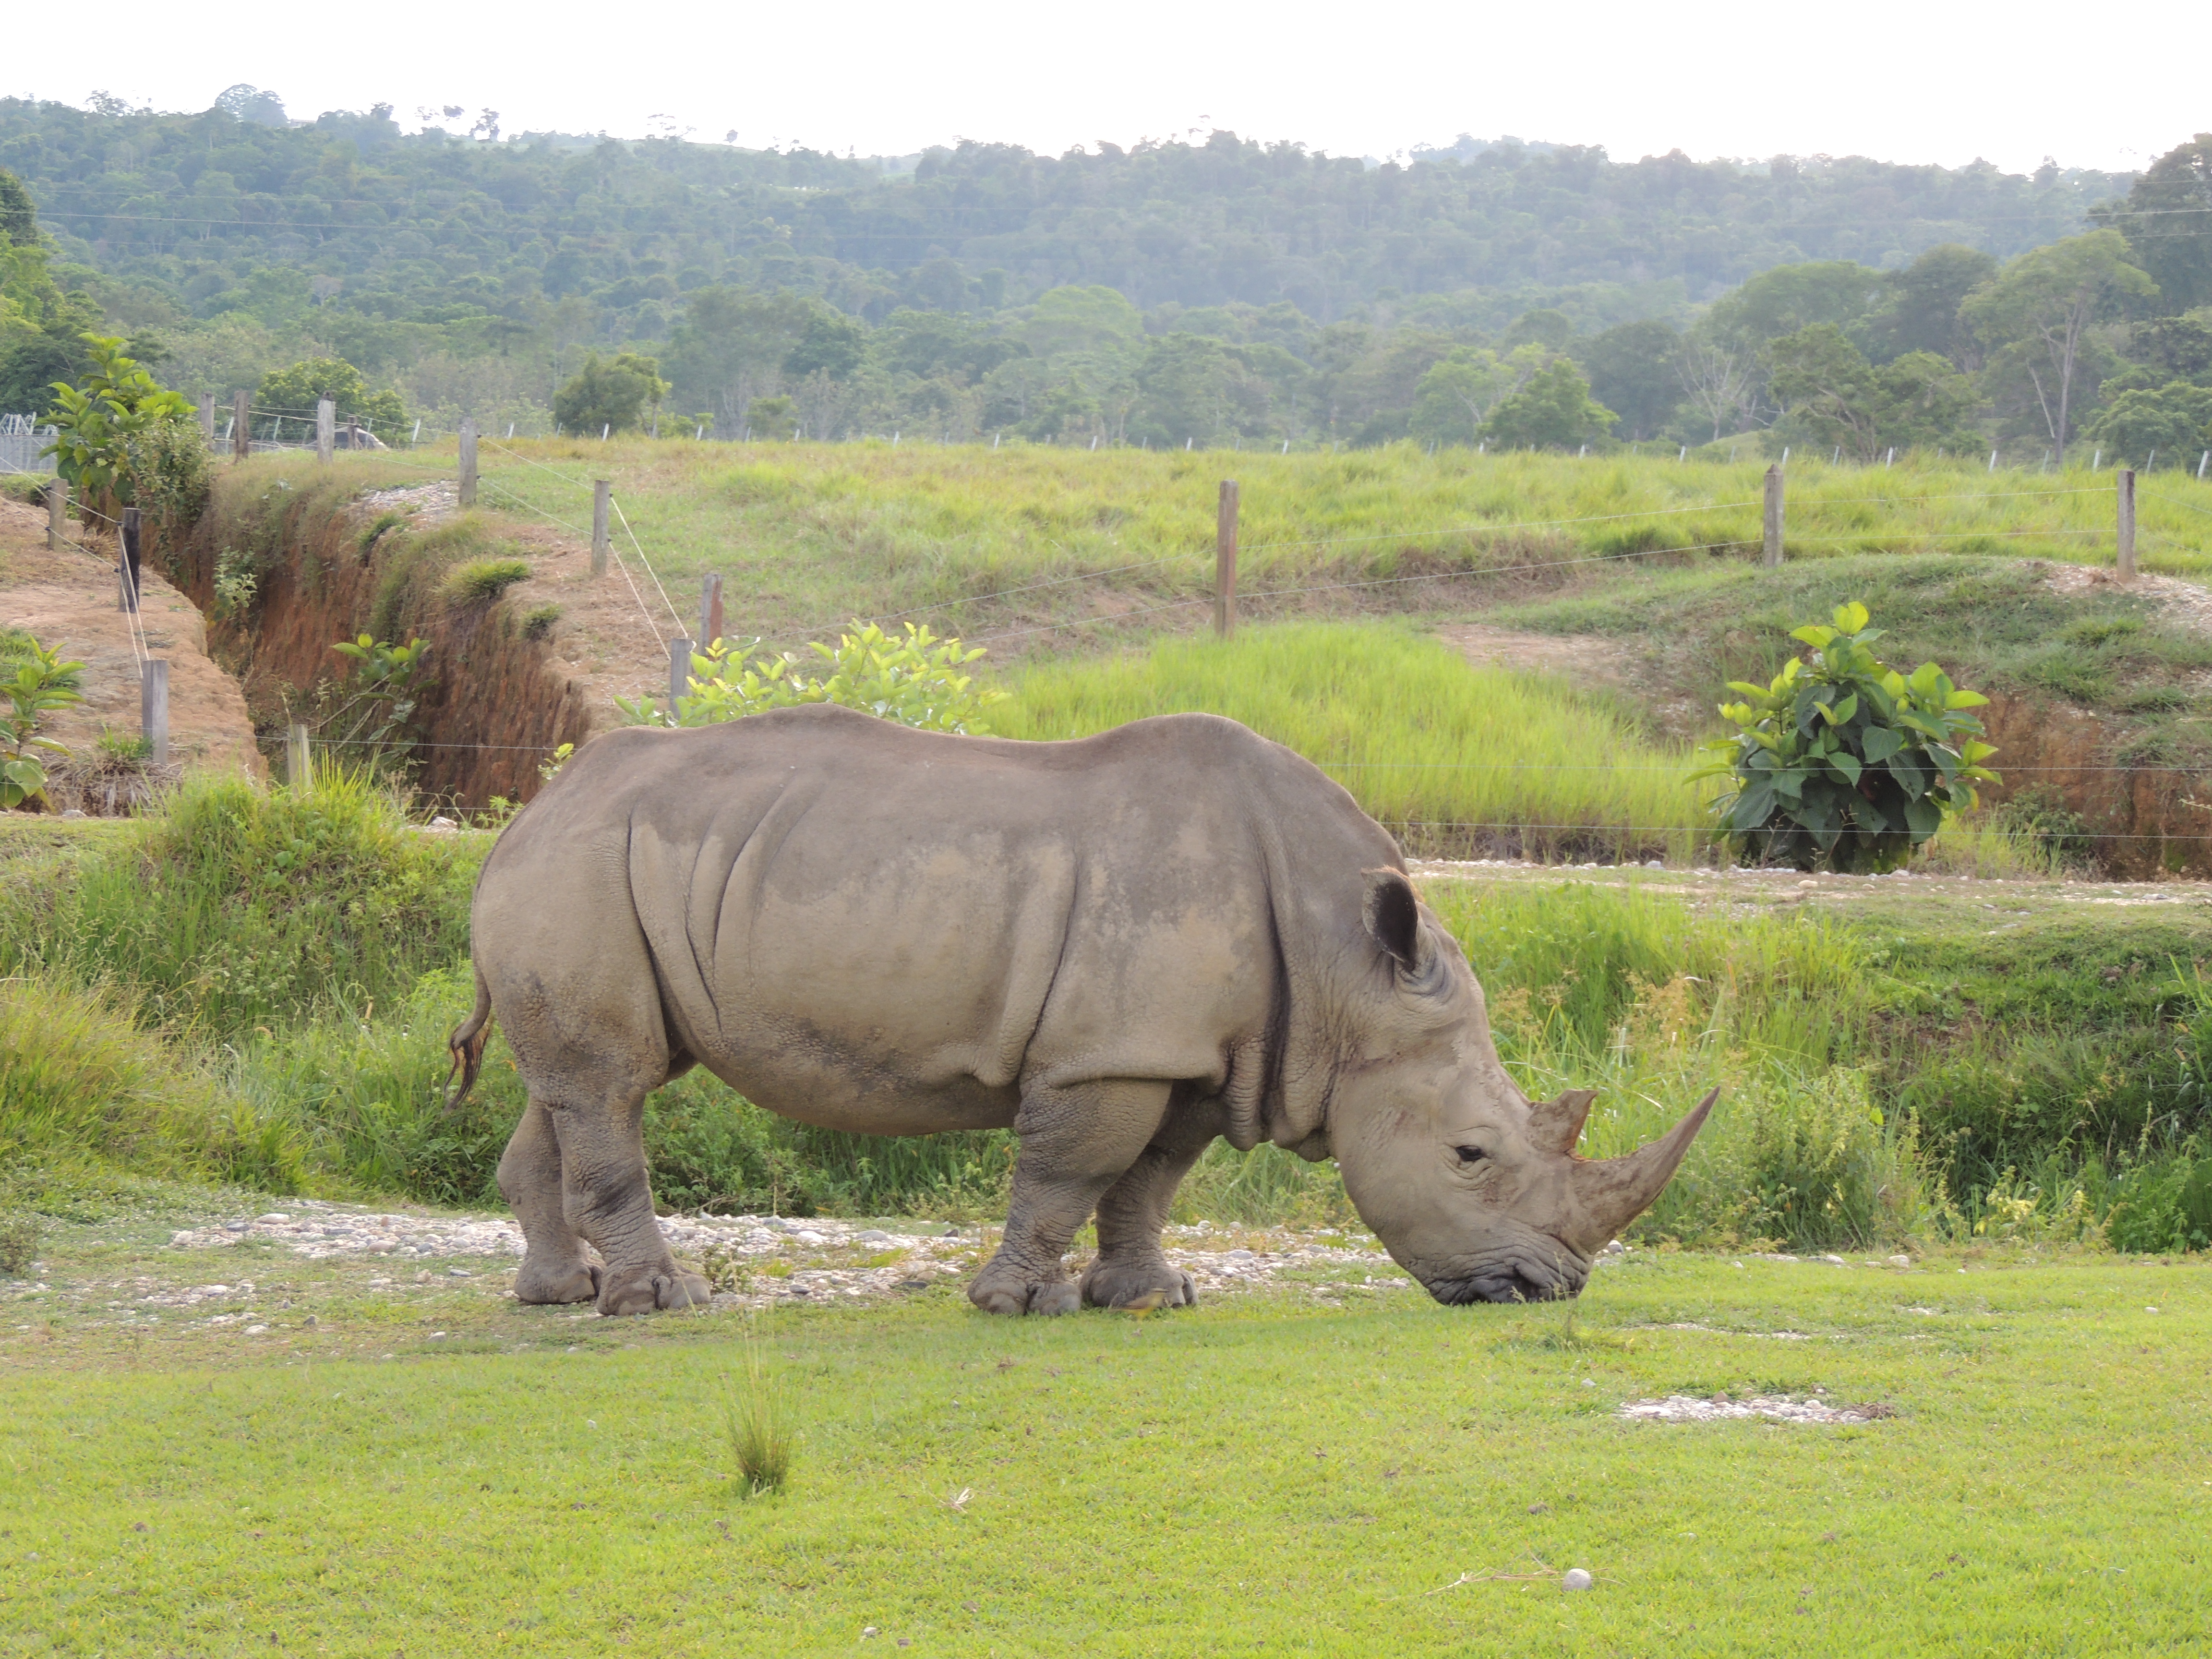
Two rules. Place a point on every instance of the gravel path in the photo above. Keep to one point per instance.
(757, 1260)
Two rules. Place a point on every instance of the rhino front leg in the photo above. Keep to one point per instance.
(1076, 1143)
(1131, 1266)
(553, 1266)
(607, 1198)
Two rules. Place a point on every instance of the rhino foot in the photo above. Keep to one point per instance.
(1014, 1298)
(642, 1290)
(1128, 1284)
(540, 1286)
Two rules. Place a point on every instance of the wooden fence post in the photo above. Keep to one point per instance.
(57, 513)
(2127, 526)
(126, 560)
(353, 433)
(602, 498)
(326, 428)
(241, 426)
(207, 416)
(153, 707)
(1772, 550)
(679, 673)
(468, 463)
(710, 612)
(300, 759)
(1224, 561)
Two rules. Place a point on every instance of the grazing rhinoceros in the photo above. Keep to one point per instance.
(1120, 947)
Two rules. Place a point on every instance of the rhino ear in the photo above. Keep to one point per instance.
(1393, 916)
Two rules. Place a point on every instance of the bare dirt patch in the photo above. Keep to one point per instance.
(65, 598)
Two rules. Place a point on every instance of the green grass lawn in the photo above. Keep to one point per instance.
(1262, 1475)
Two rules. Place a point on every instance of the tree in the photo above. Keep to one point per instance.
(1719, 379)
(2174, 420)
(610, 397)
(290, 394)
(1922, 311)
(2166, 218)
(1457, 395)
(1554, 410)
(1832, 396)
(729, 348)
(1790, 298)
(1544, 326)
(1635, 370)
(2037, 316)
(1191, 389)
(106, 424)
(830, 344)
(19, 216)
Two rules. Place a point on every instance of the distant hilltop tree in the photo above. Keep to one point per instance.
(251, 105)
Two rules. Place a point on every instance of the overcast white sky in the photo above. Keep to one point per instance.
(1939, 81)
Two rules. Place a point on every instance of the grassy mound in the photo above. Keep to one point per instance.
(1454, 760)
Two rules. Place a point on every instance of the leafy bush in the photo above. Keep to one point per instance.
(482, 579)
(43, 682)
(612, 395)
(1844, 760)
(239, 909)
(107, 433)
(913, 679)
(369, 719)
(288, 395)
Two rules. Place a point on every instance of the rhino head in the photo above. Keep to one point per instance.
(1472, 1187)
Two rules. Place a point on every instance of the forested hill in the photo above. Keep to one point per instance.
(412, 226)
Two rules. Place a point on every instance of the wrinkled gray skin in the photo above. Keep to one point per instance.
(1120, 947)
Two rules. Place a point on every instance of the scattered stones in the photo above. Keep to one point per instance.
(1780, 1408)
(758, 1259)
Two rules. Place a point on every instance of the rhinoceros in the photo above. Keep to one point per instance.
(1121, 947)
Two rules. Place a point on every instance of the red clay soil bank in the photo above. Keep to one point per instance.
(2150, 817)
(500, 702)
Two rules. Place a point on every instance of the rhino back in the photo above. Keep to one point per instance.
(891, 931)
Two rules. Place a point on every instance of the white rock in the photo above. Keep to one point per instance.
(1575, 1579)
(873, 1236)
(808, 1239)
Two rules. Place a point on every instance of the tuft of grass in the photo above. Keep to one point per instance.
(757, 1423)
(538, 623)
(1455, 760)
(481, 581)
(375, 528)
(19, 1244)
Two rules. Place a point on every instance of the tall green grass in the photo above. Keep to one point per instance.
(807, 535)
(1455, 760)
(239, 908)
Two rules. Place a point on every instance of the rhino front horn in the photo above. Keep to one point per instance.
(1613, 1192)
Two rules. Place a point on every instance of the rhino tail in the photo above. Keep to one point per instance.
(467, 1044)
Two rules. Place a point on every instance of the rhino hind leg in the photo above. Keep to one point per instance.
(1132, 1269)
(606, 1199)
(1076, 1143)
(555, 1267)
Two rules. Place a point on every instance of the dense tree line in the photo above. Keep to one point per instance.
(1212, 292)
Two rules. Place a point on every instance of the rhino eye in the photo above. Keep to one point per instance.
(1470, 1154)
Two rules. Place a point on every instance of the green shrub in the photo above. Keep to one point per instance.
(482, 579)
(42, 683)
(1842, 760)
(239, 908)
(372, 531)
(913, 679)
(538, 624)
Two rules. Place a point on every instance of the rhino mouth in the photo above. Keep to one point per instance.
(1518, 1278)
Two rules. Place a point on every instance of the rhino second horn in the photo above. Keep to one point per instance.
(1610, 1193)
(1555, 1125)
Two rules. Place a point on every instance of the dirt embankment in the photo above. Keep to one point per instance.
(65, 600)
(328, 566)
